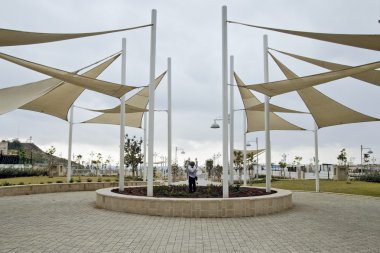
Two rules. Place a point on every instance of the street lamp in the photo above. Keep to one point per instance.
(215, 125)
(361, 153)
(176, 150)
(257, 154)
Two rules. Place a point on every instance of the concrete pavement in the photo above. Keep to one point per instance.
(70, 222)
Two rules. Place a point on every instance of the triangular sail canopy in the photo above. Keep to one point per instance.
(58, 101)
(255, 119)
(50, 96)
(325, 111)
(108, 88)
(368, 41)
(15, 38)
(272, 108)
(280, 87)
(371, 76)
(139, 101)
(12, 98)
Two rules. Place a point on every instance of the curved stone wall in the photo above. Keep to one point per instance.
(60, 187)
(195, 207)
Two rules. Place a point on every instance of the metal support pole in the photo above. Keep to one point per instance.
(257, 157)
(232, 118)
(68, 174)
(122, 115)
(225, 101)
(169, 121)
(245, 148)
(268, 164)
(151, 102)
(316, 158)
(145, 145)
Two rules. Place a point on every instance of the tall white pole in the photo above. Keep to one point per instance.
(151, 102)
(225, 101)
(122, 115)
(232, 119)
(169, 164)
(267, 126)
(145, 145)
(257, 158)
(245, 148)
(316, 158)
(68, 174)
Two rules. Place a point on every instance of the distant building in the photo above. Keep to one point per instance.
(4, 147)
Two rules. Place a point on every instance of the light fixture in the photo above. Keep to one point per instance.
(215, 125)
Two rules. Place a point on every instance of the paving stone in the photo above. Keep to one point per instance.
(70, 222)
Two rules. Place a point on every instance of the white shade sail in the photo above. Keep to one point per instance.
(15, 38)
(367, 41)
(325, 111)
(280, 87)
(272, 108)
(51, 96)
(371, 76)
(58, 101)
(255, 119)
(108, 88)
(139, 101)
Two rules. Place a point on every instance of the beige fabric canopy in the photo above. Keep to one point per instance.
(58, 101)
(325, 111)
(139, 101)
(42, 96)
(371, 76)
(14, 38)
(108, 88)
(280, 87)
(255, 119)
(12, 98)
(368, 41)
(272, 108)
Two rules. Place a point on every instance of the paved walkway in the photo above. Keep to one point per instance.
(70, 222)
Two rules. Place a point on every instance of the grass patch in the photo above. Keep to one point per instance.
(46, 179)
(354, 187)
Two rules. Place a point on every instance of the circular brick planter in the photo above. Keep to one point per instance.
(195, 207)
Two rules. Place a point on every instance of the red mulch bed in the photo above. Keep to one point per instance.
(182, 191)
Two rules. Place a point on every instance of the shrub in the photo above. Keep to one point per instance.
(99, 179)
(71, 180)
(59, 181)
(79, 180)
(89, 179)
(21, 183)
(108, 180)
(131, 178)
(371, 177)
(49, 182)
(6, 183)
(22, 172)
(41, 182)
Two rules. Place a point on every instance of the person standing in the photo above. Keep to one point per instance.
(192, 172)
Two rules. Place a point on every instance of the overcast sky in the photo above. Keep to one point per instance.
(190, 33)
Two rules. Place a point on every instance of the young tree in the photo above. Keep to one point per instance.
(282, 166)
(238, 161)
(209, 165)
(50, 152)
(342, 157)
(132, 153)
(175, 171)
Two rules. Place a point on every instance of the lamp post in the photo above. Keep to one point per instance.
(257, 155)
(176, 150)
(361, 153)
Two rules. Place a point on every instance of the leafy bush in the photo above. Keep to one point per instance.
(108, 180)
(22, 172)
(59, 181)
(371, 177)
(99, 179)
(89, 179)
(49, 182)
(6, 183)
(71, 180)
(21, 183)
(131, 178)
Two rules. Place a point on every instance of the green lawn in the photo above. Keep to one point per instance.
(354, 187)
(45, 179)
